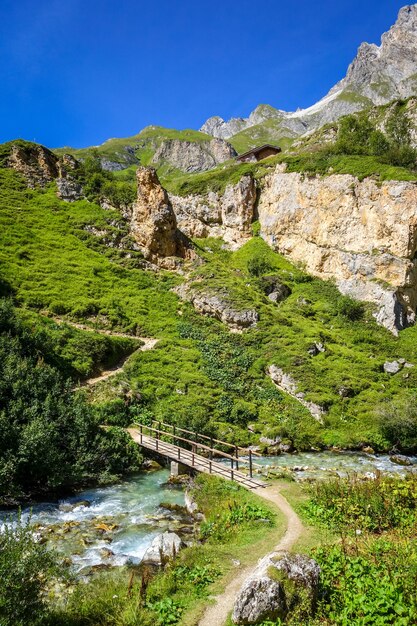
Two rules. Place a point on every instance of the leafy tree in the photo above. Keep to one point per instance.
(49, 437)
(378, 143)
(398, 126)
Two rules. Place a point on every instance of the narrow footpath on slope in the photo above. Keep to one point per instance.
(147, 343)
(216, 614)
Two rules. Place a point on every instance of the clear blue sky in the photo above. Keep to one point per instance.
(76, 72)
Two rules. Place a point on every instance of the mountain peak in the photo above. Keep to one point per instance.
(407, 17)
(377, 75)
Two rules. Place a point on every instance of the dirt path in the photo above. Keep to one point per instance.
(148, 344)
(100, 331)
(216, 614)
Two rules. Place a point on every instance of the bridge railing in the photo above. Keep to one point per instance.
(235, 460)
(212, 440)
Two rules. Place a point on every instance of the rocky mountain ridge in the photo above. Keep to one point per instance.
(377, 75)
(186, 151)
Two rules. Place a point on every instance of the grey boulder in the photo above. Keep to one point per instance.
(163, 548)
(281, 584)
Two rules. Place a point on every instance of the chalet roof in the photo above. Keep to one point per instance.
(258, 149)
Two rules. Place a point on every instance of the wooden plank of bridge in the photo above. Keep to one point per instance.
(192, 459)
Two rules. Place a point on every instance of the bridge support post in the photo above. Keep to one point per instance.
(178, 468)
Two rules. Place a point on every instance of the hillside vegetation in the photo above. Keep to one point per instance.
(58, 259)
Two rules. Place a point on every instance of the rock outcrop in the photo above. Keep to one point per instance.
(153, 222)
(389, 71)
(35, 162)
(217, 304)
(40, 167)
(193, 156)
(362, 234)
(282, 584)
(228, 215)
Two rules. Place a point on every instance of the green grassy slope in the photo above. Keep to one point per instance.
(271, 131)
(143, 145)
(199, 374)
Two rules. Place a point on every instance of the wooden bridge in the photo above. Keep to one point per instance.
(169, 441)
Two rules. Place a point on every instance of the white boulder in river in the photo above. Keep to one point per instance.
(282, 583)
(164, 546)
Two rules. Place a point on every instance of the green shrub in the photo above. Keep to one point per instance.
(258, 265)
(397, 422)
(27, 569)
(368, 582)
(355, 505)
(351, 309)
(49, 437)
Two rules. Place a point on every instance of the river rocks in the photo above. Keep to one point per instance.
(286, 383)
(228, 215)
(362, 234)
(163, 547)
(74, 505)
(368, 450)
(190, 504)
(400, 459)
(281, 584)
(153, 222)
(217, 305)
(193, 156)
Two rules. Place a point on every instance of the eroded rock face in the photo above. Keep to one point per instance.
(69, 189)
(363, 234)
(383, 73)
(228, 215)
(192, 156)
(37, 164)
(154, 225)
(279, 585)
(40, 167)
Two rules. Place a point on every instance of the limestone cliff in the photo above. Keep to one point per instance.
(227, 215)
(362, 234)
(193, 156)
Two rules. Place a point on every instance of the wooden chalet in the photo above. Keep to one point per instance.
(257, 154)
